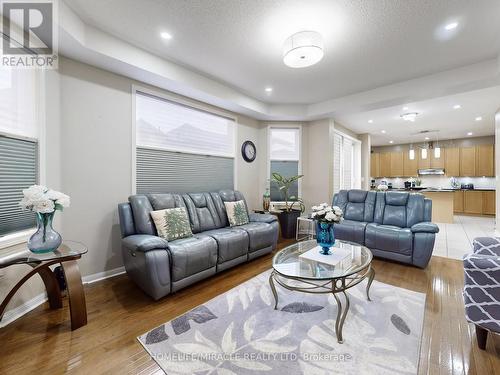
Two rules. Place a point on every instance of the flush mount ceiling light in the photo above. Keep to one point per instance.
(383, 132)
(370, 121)
(451, 26)
(409, 116)
(457, 106)
(391, 142)
(268, 90)
(303, 49)
(479, 118)
(469, 133)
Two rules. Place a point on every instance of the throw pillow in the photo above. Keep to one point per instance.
(172, 223)
(236, 213)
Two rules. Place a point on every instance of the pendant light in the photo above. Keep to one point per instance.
(411, 152)
(437, 149)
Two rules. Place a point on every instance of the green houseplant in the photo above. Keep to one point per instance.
(288, 216)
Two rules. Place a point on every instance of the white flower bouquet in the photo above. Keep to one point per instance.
(43, 200)
(327, 214)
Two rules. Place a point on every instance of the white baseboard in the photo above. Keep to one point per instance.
(19, 311)
(99, 276)
(16, 313)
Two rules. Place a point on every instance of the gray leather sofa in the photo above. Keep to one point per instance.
(393, 225)
(160, 267)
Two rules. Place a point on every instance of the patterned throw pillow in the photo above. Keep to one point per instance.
(172, 223)
(236, 213)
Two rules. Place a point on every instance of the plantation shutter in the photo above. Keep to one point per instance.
(18, 171)
(162, 171)
(347, 164)
(337, 162)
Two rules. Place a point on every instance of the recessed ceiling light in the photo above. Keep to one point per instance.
(383, 131)
(268, 89)
(391, 142)
(469, 133)
(427, 138)
(479, 118)
(451, 26)
(457, 106)
(370, 121)
(409, 116)
(166, 35)
(405, 108)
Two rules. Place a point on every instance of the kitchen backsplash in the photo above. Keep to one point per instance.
(443, 181)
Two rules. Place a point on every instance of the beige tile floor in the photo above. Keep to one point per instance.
(455, 240)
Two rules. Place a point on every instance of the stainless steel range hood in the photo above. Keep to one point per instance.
(431, 171)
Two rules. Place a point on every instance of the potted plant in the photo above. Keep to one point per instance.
(288, 216)
(326, 217)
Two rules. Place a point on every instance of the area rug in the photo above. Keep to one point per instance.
(239, 332)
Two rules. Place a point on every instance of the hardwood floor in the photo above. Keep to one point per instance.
(118, 312)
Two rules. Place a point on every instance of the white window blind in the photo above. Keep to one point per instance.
(18, 146)
(284, 145)
(171, 126)
(345, 167)
(181, 149)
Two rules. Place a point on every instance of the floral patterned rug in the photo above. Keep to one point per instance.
(239, 332)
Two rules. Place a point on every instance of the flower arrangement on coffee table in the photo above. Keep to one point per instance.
(326, 217)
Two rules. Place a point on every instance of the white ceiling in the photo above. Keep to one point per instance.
(436, 114)
(368, 44)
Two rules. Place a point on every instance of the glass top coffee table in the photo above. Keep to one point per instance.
(293, 272)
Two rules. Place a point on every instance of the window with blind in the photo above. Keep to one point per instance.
(181, 148)
(18, 147)
(284, 153)
(346, 163)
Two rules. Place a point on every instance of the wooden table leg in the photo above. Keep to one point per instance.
(52, 287)
(76, 295)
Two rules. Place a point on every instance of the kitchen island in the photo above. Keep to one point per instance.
(442, 204)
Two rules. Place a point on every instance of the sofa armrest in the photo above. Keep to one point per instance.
(486, 246)
(262, 218)
(144, 242)
(425, 227)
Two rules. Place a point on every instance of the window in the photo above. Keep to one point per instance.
(181, 148)
(18, 147)
(346, 163)
(284, 153)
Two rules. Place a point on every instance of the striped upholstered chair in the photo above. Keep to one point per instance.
(482, 287)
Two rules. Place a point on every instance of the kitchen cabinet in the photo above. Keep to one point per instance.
(410, 167)
(467, 161)
(489, 202)
(375, 165)
(437, 162)
(485, 160)
(385, 164)
(458, 201)
(452, 162)
(473, 202)
(423, 163)
(397, 164)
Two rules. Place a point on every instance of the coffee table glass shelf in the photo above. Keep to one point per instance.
(293, 272)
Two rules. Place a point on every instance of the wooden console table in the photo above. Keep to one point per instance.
(66, 255)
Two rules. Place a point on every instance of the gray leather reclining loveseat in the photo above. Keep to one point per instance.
(393, 225)
(160, 267)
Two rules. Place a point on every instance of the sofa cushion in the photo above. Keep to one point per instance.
(202, 212)
(192, 255)
(395, 215)
(236, 213)
(172, 223)
(231, 242)
(389, 238)
(358, 205)
(349, 230)
(261, 235)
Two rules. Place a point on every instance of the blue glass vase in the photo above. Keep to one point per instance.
(325, 236)
(45, 239)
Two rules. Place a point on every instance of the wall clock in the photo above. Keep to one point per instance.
(248, 151)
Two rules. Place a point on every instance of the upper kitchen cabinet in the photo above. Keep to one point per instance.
(375, 165)
(452, 162)
(397, 164)
(410, 167)
(485, 160)
(467, 161)
(437, 162)
(423, 163)
(385, 164)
